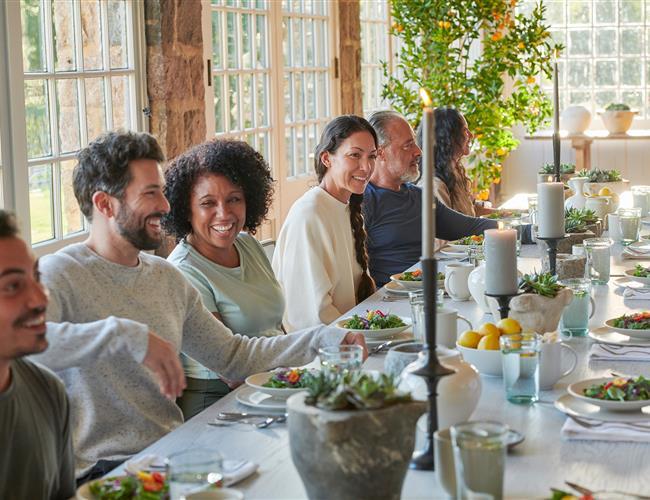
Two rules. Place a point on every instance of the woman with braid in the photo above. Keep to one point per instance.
(321, 259)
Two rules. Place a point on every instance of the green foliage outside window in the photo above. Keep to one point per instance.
(462, 52)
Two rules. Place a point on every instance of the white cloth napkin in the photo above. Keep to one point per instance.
(623, 353)
(637, 294)
(641, 254)
(233, 470)
(571, 430)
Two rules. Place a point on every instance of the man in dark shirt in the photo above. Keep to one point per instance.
(392, 205)
(36, 459)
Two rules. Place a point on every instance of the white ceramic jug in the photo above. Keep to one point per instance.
(578, 199)
(601, 205)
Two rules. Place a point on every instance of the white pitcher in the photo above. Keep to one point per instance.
(601, 205)
(578, 199)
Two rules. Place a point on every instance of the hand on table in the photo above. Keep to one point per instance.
(162, 359)
(356, 339)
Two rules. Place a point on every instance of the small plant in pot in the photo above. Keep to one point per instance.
(540, 306)
(352, 435)
(567, 170)
(617, 118)
(604, 183)
(581, 220)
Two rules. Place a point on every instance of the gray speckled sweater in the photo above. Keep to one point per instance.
(117, 408)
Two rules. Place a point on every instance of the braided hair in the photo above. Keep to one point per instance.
(337, 131)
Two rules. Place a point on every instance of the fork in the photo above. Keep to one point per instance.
(587, 491)
(592, 425)
(389, 298)
(616, 353)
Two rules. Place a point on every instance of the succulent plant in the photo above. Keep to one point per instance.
(330, 390)
(565, 168)
(597, 175)
(544, 284)
(576, 220)
(617, 107)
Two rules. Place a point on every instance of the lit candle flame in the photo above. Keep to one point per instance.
(500, 225)
(549, 179)
(426, 100)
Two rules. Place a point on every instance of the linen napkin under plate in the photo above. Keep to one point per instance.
(641, 254)
(636, 294)
(598, 352)
(614, 431)
(233, 470)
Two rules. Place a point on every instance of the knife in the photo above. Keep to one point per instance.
(242, 415)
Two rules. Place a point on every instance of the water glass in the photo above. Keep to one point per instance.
(629, 222)
(641, 199)
(575, 318)
(532, 208)
(192, 471)
(520, 359)
(597, 251)
(341, 358)
(479, 459)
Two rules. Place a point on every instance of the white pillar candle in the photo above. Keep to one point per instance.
(500, 248)
(550, 206)
(428, 202)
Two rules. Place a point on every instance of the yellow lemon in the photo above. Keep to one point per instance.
(489, 342)
(508, 326)
(469, 339)
(604, 192)
(489, 329)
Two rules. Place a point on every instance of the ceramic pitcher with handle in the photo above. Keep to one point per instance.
(601, 205)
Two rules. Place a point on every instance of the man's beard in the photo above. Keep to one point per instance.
(134, 229)
(411, 176)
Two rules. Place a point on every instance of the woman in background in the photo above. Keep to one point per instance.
(216, 190)
(321, 258)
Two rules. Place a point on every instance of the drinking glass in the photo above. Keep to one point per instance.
(341, 358)
(416, 299)
(597, 251)
(192, 471)
(575, 318)
(520, 359)
(629, 220)
(479, 459)
(641, 199)
(532, 208)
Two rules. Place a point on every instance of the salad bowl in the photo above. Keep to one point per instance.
(375, 333)
(630, 332)
(577, 390)
(463, 244)
(258, 381)
(641, 279)
(408, 284)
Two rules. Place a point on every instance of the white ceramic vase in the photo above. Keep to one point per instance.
(458, 394)
(578, 199)
(476, 285)
(575, 119)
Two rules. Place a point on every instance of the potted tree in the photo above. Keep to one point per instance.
(540, 307)
(352, 435)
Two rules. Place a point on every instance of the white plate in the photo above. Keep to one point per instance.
(569, 405)
(457, 247)
(626, 282)
(637, 334)
(450, 252)
(394, 288)
(405, 335)
(642, 247)
(376, 334)
(406, 285)
(630, 274)
(576, 390)
(606, 336)
(257, 380)
(255, 399)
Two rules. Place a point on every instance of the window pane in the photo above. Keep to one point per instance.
(218, 104)
(286, 42)
(579, 74)
(117, 33)
(605, 11)
(247, 100)
(580, 42)
(606, 43)
(40, 203)
(231, 29)
(217, 32)
(37, 118)
(288, 100)
(95, 107)
(33, 38)
(323, 99)
(91, 30)
(300, 158)
(71, 217)
(631, 11)
(289, 157)
(63, 33)
(555, 12)
(632, 41)
(606, 73)
(579, 12)
(309, 43)
(298, 96)
(263, 145)
(633, 98)
(233, 94)
(310, 95)
(296, 42)
(261, 93)
(603, 98)
(260, 38)
(67, 109)
(120, 97)
(247, 42)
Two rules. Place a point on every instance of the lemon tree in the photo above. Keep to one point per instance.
(438, 43)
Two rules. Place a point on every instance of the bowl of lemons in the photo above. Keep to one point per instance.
(481, 347)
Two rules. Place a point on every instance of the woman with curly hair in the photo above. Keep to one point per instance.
(453, 141)
(216, 190)
(321, 257)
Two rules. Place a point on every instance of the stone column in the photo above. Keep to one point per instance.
(175, 73)
(350, 57)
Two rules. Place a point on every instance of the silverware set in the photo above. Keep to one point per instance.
(257, 420)
(385, 345)
(615, 350)
(393, 298)
(590, 424)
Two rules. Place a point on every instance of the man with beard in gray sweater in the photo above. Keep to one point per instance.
(119, 317)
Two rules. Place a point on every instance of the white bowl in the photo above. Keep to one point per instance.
(487, 362)
(408, 285)
(576, 390)
(630, 273)
(256, 382)
(630, 332)
(375, 334)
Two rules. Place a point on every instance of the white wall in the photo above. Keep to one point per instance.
(630, 157)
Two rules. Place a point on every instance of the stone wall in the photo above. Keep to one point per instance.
(175, 72)
(350, 57)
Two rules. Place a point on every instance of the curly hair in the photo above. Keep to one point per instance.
(334, 133)
(103, 165)
(236, 161)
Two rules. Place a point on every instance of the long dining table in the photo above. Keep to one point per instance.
(544, 459)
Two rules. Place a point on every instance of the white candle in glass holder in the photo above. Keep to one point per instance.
(500, 248)
(550, 209)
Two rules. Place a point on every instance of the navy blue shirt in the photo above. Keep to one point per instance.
(393, 220)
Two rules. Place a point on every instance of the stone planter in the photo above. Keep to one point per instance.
(596, 228)
(566, 266)
(618, 187)
(563, 177)
(351, 455)
(534, 312)
(617, 122)
(565, 245)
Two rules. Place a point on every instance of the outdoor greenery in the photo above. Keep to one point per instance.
(440, 41)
